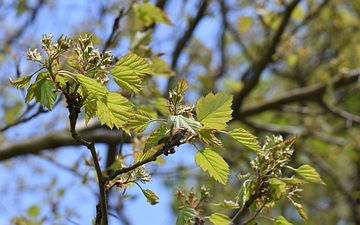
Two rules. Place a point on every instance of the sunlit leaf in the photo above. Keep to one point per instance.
(139, 121)
(186, 216)
(150, 13)
(214, 111)
(207, 136)
(151, 197)
(34, 91)
(293, 181)
(182, 86)
(33, 211)
(160, 104)
(280, 220)
(115, 112)
(245, 192)
(219, 219)
(48, 94)
(155, 137)
(300, 209)
(93, 87)
(212, 162)
(180, 121)
(21, 82)
(245, 138)
(277, 188)
(227, 204)
(128, 70)
(161, 68)
(309, 174)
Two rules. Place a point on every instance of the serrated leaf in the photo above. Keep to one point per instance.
(48, 94)
(220, 219)
(182, 85)
(207, 136)
(150, 14)
(127, 71)
(280, 220)
(293, 181)
(245, 138)
(155, 137)
(139, 121)
(90, 107)
(93, 87)
(160, 104)
(151, 197)
(212, 162)
(115, 112)
(309, 174)
(277, 188)
(186, 216)
(181, 121)
(214, 111)
(300, 210)
(244, 24)
(34, 91)
(33, 211)
(21, 82)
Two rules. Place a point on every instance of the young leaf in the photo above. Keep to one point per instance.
(186, 216)
(280, 220)
(139, 121)
(181, 121)
(34, 91)
(161, 68)
(151, 197)
(150, 13)
(90, 107)
(212, 162)
(214, 111)
(309, 174)
(33, 211)
(115, 112)
(300, 210)
(293, 181)
(127, 71)
(245, 138)
(21, 82)
(160, 105)
(92, 87)
(207, 136)
(182, 86)
(245, 192)
(155, 137)
(219, 219)
(227, 204)
(277, 189)
(48, 94)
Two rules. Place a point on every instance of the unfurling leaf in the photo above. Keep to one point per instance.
(207, 136)
(34, 91)
(300, 210)
(21, 82)
(186, 216)
(227, 204)
(180, 121)
(128, 70)
(151, 197)
(155, 137)
(92, 87)
(214, 111)
(219, 219)
(309, 174)
(48, 94)
(212, 162)
(245, 138)
(139, 121)
(277, 188)
(280, 220)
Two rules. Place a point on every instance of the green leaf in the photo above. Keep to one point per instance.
(161, 68)
(280, 220)
(186, 216)
(277, 188)
(300, 210)
(33, 211)
(150, 14)
(34, 91)
(212, 162)
(48, 94)
(92, 87)
(90, 107)
(160, 104)
(127, 71)
(245, 192)
(181, 121)
(207, 136)
(309, 174)
(293, 181)
(244, 24)
(155, 137)
(151, 197)
(115, 112)
(182, 85)
(139, 121)
(219, 219)
(21, 82)
(214, 111)
(245, 138)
